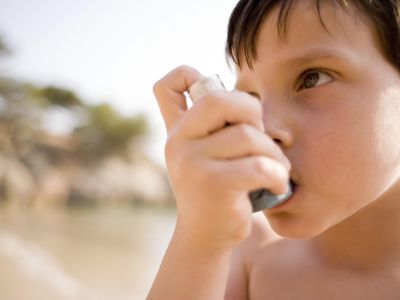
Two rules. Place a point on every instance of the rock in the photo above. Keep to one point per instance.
(17, 183)
(119, 180)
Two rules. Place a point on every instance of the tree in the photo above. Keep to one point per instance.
(3, 48)
(55, 96)
(106, 131)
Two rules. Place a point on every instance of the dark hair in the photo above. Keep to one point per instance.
(248, 15)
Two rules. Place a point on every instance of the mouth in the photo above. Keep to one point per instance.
(291, 191)
(293, 185)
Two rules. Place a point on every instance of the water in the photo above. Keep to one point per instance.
(108, 253)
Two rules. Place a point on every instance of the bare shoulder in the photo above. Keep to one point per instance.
(260, 237)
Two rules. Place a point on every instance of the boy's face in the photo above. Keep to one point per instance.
(332, 101)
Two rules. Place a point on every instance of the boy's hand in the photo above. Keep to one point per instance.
(212, 167)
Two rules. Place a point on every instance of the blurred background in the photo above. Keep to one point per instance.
(86, 211)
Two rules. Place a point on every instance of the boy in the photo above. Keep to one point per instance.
(317, 101)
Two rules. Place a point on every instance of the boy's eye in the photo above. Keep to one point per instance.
(314, 78)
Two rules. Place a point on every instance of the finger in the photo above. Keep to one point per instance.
(216, 109)
(169, 92)
(252, 173)
(241, 140)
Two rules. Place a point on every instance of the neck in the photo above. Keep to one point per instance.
(370, 239)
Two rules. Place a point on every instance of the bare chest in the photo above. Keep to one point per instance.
(316, 283)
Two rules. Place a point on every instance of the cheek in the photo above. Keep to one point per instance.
(354, 146)
(335, 149)
(347, 159)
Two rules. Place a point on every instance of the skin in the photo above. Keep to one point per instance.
(321, 106)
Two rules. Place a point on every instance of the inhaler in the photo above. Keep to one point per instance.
(262, 198)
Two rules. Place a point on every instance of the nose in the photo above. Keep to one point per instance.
(277, 124)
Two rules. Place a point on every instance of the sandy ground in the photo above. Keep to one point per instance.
(104, 253)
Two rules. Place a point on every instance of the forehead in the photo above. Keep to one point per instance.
(307, 22)
(330, 33)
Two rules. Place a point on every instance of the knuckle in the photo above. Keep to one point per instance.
(211, 100)
(184, 69)
(178, 72)
(245, 133)
(157, 87)
(252, 100)
(261, 166)
(281, 172)
(274, 171)
(268, 166)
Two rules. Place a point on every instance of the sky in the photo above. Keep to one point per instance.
(114, 51)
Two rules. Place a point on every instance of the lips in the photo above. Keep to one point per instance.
(293, 180)
(294, 184)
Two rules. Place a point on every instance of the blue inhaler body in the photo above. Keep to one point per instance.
(262, 198)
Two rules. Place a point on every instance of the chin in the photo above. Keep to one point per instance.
(289, 226)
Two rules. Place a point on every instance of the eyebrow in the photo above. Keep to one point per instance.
(315, 54)
(319, 54)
